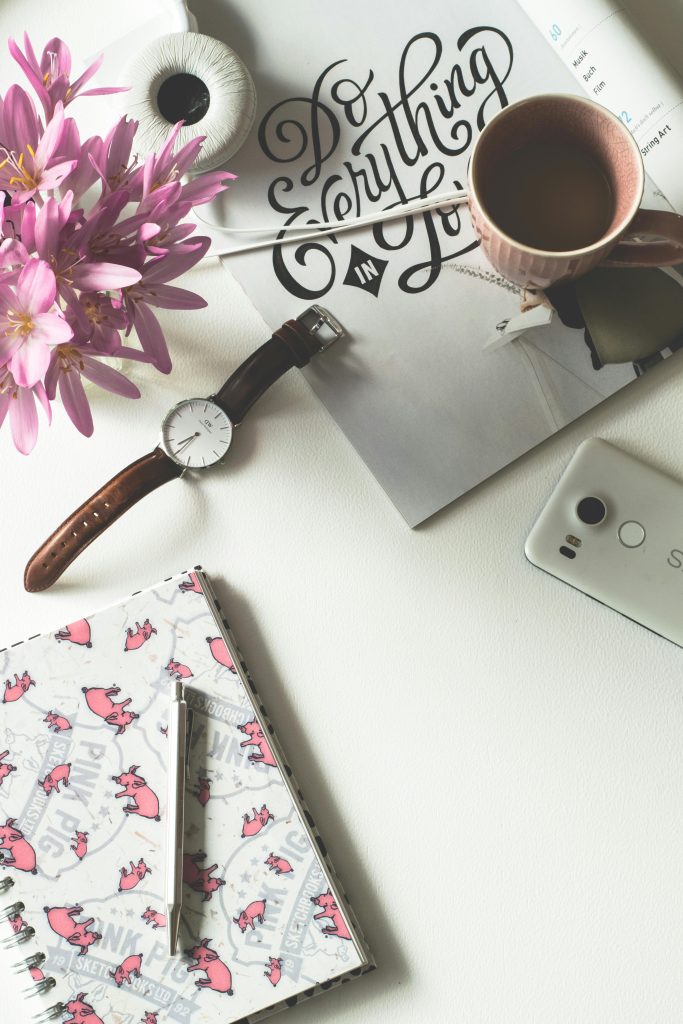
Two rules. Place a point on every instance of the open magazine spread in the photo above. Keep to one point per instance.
(441, 382)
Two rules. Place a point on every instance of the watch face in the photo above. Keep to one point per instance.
(196, 433)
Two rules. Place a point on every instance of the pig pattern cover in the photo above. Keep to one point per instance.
(83, 727)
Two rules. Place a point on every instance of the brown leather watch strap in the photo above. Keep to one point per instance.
(95, 515)
(291, 345)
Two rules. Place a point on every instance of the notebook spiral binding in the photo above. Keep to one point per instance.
(25, 934)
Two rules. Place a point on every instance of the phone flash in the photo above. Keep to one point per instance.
(574, 541)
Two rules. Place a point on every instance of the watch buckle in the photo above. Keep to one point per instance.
(314, 319)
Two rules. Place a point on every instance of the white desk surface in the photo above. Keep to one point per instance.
(494, 760)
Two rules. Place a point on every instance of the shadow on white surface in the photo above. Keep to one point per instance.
(363, 892)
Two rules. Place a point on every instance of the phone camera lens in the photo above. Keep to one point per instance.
(591, 511)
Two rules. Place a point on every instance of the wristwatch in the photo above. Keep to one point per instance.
(195, 434)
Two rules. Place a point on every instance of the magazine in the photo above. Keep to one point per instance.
(445, 376)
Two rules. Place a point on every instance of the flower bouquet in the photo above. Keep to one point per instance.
(89, 240)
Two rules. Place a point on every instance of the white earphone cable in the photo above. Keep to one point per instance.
(304, 233)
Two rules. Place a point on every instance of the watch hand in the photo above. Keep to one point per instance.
(186, 443)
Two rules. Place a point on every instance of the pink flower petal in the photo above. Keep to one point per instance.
(206, 187)
(36, 287)
(103, 276)
(12, 254)
(51, 139)
(5, 399)
(29, 363)
(56, 48)
(178, 261)
(20, 120)
(52, 177)
(23, 419)
(169, 296)
(41, 394)
(9, 342)
(105, 90)
(108, 378)
(91, 70)
(76, 402)
(152, 338)
(32, 73)
(50, 329)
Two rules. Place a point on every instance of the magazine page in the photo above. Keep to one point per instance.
(612, 62)
(345, 127)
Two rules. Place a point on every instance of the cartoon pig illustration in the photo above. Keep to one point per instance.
(16, 690)
(121, 718)
(17, 923)
(254, 912)
(81, 1012)
(220, 652)
(36, 974)
(274, 970)
(252, 826)
(145, 801)
(5, 767)
(218, 976)
(330, 909)
(57, 722)
(198, 878)
(77, 633)
(131, 879)
(192, 584)
(178, 671)
(62, 920)
(136, 638)
(60, 773)
(149, 1018)
(81, 847)
(264, 755)
(129, 969)
(203, 794)
(154, 918)
(17, 852)
(278, 864)
(98, 699)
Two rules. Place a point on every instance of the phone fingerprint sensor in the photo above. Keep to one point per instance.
(567, 552)
(631, 534)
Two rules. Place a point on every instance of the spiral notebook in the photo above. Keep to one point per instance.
(83, 729)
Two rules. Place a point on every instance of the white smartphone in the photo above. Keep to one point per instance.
(613, 528)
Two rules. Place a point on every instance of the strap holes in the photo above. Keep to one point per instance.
(53, 554)
(44, 565)
(74, 534)
(106, 504)
(85, 522)
(63, 544)
(96, 515)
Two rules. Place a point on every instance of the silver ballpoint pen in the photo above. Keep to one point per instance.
(177, 757)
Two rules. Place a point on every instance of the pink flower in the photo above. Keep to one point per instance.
(166, 166)
(32, 157)
(30, 323)
(111, 159)
(20, 404)
(78, 271)
(152, 290)
(98, 319)
(70, 363)
(50, 76)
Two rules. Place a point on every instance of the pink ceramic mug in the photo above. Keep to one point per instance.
(578, 122)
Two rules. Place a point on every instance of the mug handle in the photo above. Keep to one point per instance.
(665, 253)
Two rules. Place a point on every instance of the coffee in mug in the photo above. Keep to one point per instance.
(555, 185)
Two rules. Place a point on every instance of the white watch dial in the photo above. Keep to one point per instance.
(196, 433)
